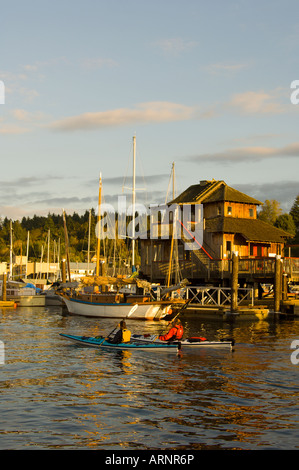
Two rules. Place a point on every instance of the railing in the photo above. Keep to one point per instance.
(259, 266)
(217, 296)
(291, 266)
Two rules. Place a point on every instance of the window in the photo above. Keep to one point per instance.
(228, 248)
(251, 213)
(229, 210)
(219, 210)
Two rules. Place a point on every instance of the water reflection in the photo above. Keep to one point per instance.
(246, 398)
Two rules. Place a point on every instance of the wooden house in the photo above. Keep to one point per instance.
(229, 224)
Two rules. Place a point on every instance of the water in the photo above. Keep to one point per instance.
(57, 395)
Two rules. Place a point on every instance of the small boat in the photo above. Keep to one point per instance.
(192, 342)
(101, 341)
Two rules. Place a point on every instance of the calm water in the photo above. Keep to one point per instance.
(57, 395)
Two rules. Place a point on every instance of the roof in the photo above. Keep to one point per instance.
(212, 191)
(250, 229)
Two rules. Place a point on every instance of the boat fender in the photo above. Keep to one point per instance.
(196, 339)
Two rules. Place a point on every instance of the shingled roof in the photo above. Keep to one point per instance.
(212, 191)
(251, 229)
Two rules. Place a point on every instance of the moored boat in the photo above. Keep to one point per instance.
(112, 305)
(101, 341)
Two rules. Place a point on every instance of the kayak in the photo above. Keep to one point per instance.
(100, 341)
(192, 342)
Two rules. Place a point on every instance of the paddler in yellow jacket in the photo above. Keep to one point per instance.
(122, 335)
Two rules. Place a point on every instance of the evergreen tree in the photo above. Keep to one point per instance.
(294, 212)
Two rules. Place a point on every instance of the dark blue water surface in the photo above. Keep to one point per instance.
(57, 395)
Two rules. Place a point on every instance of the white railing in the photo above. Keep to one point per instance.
(217, 296)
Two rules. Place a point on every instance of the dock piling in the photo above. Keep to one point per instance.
(234, 285)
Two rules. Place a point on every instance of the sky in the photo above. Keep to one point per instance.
(203, 84)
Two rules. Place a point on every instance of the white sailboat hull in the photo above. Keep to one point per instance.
(143, 311)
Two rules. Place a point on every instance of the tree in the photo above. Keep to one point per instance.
(286, 222)
(270, 211)
(294, 212)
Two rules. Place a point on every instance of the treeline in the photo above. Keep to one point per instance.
(119, 250)
(271, 212)
(51, 227)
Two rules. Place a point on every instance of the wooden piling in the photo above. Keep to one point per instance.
(234, 282)
(4, 287)
(277, 284)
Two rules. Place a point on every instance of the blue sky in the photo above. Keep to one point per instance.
(204, 84)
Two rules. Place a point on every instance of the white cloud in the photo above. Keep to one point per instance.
(158, 111)
(243, 154)
(252, 102)
(13, 129)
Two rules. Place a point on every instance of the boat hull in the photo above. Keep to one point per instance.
(143, 311)
(30, 300)
(99, 342)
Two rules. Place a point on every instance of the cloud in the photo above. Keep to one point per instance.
(12, 129)
(284, 192)
(26, 116)
(253, 102)
(243, 154)
(118, 180)
(152, 112)
(220, 68)
(174, 46)
(98, 63)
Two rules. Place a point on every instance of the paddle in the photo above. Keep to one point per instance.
(129, 314)
(171, 321)
(181, 309)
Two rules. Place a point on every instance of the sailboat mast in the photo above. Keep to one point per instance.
(99, 230)
(88, 249)
(10, 252)
(67, 246)
(133, 204)
(27, 254)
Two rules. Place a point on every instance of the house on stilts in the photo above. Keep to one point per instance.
(229, 223)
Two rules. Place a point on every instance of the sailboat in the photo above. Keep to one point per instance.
(106, 299)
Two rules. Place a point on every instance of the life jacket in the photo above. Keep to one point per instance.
(179, 332)
(175, 333)
(126, 336)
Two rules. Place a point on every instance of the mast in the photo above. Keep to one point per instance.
(88, 249)
(48, 255)
(27, 254)
(10, 252)
(133, 204)
(174, 221)
(99, 229)
(67, 246)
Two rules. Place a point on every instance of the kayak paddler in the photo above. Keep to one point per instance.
(175, 333)
(122, 335)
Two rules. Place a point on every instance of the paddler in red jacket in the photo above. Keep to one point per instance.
(175, 333)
